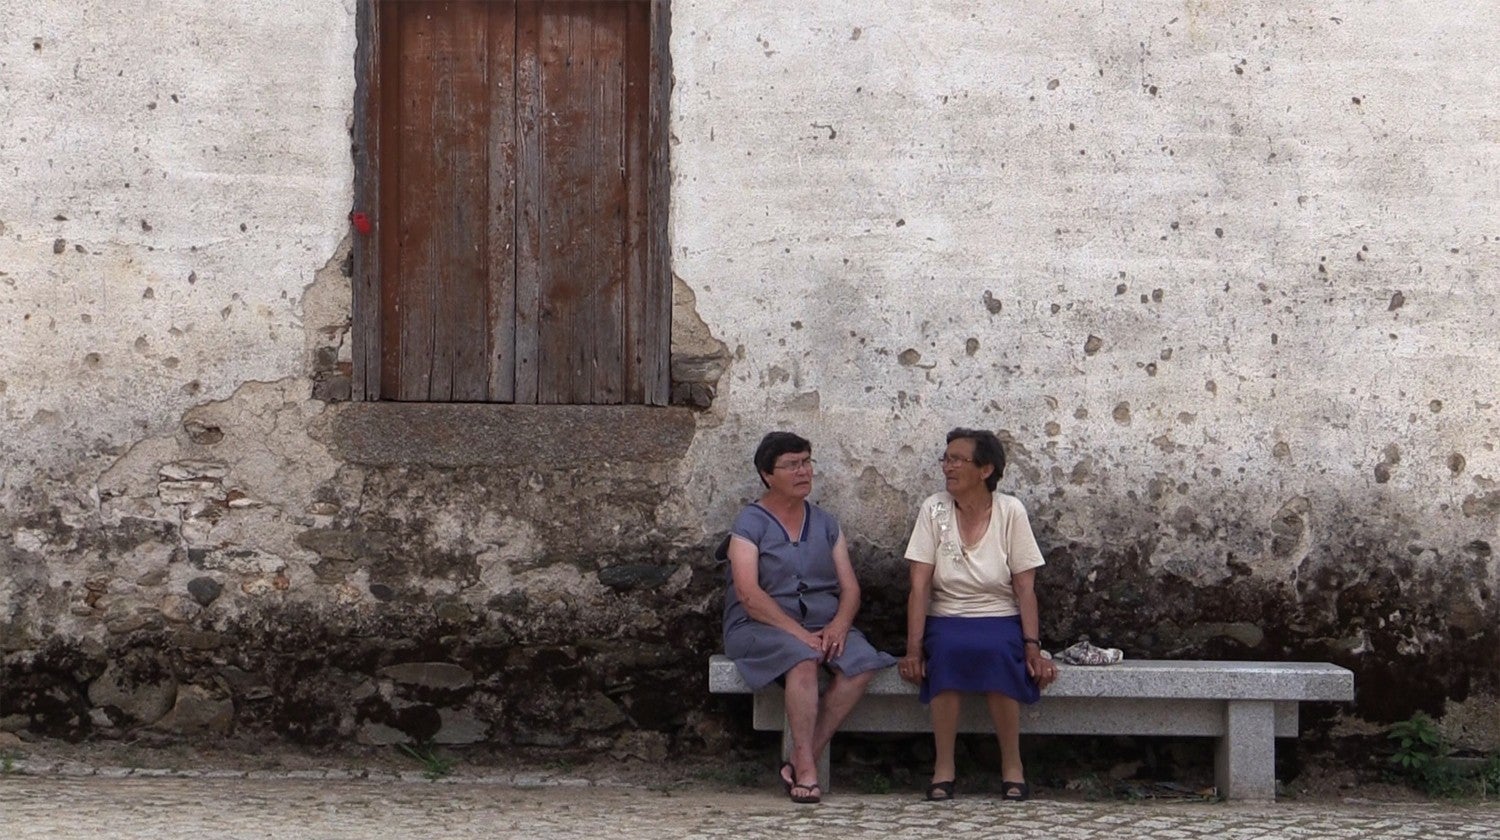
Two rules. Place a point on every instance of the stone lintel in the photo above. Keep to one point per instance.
(473, 434)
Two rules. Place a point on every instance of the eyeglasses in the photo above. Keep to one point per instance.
(951, 460)
(795, 466)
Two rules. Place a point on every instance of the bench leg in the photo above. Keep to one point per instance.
(1245, 758)
(786, 754)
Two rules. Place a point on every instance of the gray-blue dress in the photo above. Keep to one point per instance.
(798, 573)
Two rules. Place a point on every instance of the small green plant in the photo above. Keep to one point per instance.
(1419, 744)
(1421, 758)
(434, 766)
(7, 762)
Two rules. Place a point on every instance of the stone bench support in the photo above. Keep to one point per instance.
(1245, 706)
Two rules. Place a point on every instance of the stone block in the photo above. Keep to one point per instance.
(205, 590)
(650, 747)
(153, 577)
(459, 435)
(199, 710)
(141, 700)
(460, 727)
(333, 389)
(437, 675)
(380, 735)
(192, 470)
(239, 500)
(630, 576)
(241, 561)
(597, 712)
(176, 608)
(338, 544)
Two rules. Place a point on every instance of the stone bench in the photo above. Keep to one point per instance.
(1245, 705)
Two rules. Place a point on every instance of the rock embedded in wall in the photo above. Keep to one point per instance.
(199, 710)
(139, 689)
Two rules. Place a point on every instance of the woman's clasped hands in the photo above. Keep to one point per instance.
(828, 641)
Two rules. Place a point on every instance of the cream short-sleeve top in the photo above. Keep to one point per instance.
(973, 580)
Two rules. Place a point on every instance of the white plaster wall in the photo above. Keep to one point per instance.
(1278, 219)
(1275, 221)
(192, 158)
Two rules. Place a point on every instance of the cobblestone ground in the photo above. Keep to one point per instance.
(314, 805)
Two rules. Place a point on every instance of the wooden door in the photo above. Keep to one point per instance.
(516, 167)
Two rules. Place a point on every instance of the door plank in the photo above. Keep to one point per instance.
(610, 203)
(657, 340)
(501, 240)
(529, 191)
(418, 257)
(388, 218)
(636, 131)
(567, 42)
(461, 328)
(368, 173)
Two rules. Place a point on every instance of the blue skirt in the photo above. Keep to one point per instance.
(976, 655)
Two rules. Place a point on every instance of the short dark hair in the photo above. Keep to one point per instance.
(773, 446)
(988, 452)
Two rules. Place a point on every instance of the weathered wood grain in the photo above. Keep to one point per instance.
(519, 153)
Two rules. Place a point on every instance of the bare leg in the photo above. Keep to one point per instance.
(944, 707)
(838, 702)
(802, 718)
(1005, 712)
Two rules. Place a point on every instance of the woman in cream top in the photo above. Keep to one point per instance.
(971, 618)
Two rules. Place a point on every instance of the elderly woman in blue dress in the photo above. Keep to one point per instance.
(971, 616)
(790, 606)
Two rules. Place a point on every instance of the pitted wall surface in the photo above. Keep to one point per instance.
(1219, 274)
(174, 177)
(1222, 276)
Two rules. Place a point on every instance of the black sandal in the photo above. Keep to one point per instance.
(1015, 791)
(788, 776)
(944, 788)
(813, 796)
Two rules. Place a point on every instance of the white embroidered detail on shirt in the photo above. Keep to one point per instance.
(948, 542)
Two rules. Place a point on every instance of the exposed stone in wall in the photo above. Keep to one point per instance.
(255, 580)
(327, 306)
(246, 577)
(1473, 724)
(698, 359)
(133, 690)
